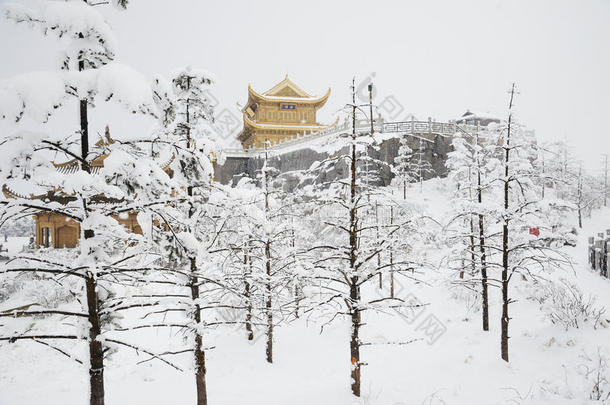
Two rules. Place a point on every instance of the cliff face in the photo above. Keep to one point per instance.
(436, 148)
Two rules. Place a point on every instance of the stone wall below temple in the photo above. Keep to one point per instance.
(436, 148)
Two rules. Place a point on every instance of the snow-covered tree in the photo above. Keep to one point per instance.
(99, 187)
(344, 259)
(402, 169)
(192, 223)
(270, 249)
(471, 166)
(411, 165)
(521, 217)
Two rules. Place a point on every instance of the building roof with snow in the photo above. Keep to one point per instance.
(477, 118)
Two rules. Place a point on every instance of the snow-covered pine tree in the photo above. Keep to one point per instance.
(344, 259)
(193, 223)
(273, 250)
(402, 168)
(85, 192)
(471, 166)
(522, 216)
(411, 165)
(583, 193)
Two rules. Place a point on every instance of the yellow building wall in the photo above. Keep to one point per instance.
(59, 231)
(272, 114)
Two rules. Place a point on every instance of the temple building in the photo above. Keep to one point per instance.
(279, 114)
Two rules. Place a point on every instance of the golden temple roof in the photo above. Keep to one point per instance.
(288, 91)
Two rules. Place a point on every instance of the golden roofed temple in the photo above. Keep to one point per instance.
(279, 114)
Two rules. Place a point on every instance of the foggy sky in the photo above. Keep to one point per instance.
(437, 58)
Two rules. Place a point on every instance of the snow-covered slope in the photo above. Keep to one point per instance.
(461, 364)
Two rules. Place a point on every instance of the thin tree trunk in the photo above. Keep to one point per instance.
(269, 349)
(200, 369)
(377, 235)
(96, 350)
(391, 257)
(84, 124)
(355, 339)
(483, 258)
(268, 303)
(247, 293)
(473, 256)
(354, 309)
(297, 299)
(471, 220)
(297, 292)
(484, 284)
(505, 247)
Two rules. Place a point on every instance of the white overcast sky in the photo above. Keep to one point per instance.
(437, 58)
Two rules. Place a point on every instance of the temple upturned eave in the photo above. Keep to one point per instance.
(251, 126)
(255, 97)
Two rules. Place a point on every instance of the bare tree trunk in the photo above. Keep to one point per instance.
(84, 124)
(484, 285)
(377, 235)
(297, 290)
(505, 237)
(247, 293)
(505, 318)
(483, 258)
(355, 339)
(269, 349)
(96, 350)
(391, 257)
(473, 256)
(297, 299)
(268, 303)
(200, 370)
(354, 309)
(473, 263)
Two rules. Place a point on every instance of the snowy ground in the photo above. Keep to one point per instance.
(462, 367)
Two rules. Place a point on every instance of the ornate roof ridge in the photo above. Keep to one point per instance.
(318, 101)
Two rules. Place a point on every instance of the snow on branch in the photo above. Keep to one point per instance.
(38, 94)
(94, 41)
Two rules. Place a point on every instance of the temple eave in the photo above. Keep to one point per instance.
(317, 101)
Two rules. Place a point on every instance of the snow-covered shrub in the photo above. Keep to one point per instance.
(33, 288)
(565, 304)
(596, 371)
(29, 289)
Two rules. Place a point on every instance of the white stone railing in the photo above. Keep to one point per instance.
(407, 127)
